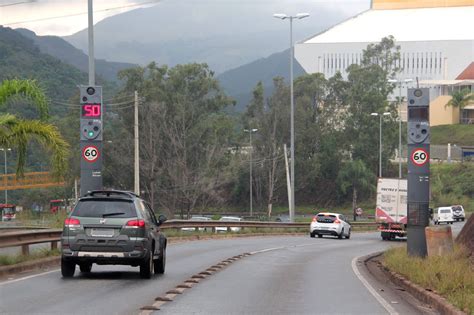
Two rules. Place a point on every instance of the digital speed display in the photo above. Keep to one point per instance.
(91, 111)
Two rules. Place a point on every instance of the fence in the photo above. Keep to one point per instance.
(53, 236)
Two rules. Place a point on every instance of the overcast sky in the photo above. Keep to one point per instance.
(64, 17)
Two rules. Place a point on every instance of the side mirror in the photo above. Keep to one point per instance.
(161, 218)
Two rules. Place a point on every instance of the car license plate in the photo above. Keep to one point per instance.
(102, 232)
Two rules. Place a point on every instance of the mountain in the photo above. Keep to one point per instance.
(61, 49)
(223, 33)
(20, 58)
(240, 82)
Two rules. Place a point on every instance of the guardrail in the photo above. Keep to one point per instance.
(53, 236)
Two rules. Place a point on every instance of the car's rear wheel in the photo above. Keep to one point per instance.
(320, 235)
(67, 268)
(340, 235)
(348, 234)
(160, 263)
(311, 234)
(146, 267)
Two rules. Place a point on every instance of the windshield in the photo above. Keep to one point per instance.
(105, 208)
(323, 218)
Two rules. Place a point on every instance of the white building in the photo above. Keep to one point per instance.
(436, 39)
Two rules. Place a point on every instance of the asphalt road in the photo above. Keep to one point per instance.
(305, 276)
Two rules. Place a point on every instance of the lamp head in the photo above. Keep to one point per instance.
(280, 16)
(302, 15)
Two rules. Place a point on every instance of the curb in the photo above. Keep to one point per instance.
(427, 296)
(30, 265)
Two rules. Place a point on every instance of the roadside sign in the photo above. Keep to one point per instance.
(90, 153)
(359, 211)
(420, 156)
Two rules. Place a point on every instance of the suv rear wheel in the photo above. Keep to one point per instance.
(146, 267)
(160, 263)
(67, 268)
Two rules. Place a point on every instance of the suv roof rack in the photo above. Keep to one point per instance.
(110, 192)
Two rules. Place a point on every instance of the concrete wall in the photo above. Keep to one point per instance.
(440, 114)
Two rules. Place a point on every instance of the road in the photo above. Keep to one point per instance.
(302, 276)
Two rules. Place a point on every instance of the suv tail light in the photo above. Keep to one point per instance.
(337, 221)
(135, 224)
(315, 219)
(72, 223)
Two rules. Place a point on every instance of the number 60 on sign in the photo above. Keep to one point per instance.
(419, 157)
(90, 153)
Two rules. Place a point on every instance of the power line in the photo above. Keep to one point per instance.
(15, 3)
(78, 14)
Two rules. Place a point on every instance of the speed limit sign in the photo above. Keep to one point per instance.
(90, 153)
(419, 157)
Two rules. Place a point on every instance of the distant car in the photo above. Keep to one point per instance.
(458, 213)
(113, 228)
(443, 215)
(283, 218)
(197, 218)
(229, 219)
(327, 223)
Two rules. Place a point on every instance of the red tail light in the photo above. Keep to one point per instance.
(136, 223)
(71, 222)
(337, 221)
(315, 219)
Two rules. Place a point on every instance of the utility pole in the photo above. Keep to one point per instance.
(90, 31)
(288, 181)
(250, 131)
(137, 149)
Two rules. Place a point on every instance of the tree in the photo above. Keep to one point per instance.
(460, 99)
(355, 178)
(18, 133)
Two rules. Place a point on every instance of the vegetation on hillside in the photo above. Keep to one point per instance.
(460, 135)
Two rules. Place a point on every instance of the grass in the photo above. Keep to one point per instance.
(451, 276)
(38, 254)
(454, 134)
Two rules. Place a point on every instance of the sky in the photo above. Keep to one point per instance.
(65, 17)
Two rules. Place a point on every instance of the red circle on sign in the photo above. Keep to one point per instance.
(90, 153)
(418, 152)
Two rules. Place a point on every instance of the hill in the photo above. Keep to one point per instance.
(61, 49)
(240, 82)
(222, 33)
(21, 58)
(460, 135)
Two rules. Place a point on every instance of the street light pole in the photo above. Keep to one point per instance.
(400, 82)
(298, 16)
(250, 131)
(380, 139)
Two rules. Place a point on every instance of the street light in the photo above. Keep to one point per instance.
(400, 82)
(380, 136)
(298, 16)
(5, 171)
(250, 131)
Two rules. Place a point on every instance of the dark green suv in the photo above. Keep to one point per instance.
(113, 227)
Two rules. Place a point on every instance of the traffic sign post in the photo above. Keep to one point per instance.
(91, 138)
(418, 170)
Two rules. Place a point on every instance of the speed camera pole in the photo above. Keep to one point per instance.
(418, 170)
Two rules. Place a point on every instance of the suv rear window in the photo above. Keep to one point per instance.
(322, 218)
(99, 208)
(456, 208)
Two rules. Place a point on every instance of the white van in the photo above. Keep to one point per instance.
(443, 215)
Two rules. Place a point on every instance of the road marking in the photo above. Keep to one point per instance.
(377, 296)
(28, 277)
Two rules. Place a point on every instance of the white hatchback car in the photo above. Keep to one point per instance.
(326, 223)
(229, 219)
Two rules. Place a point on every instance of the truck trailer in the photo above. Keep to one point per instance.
(391, 207)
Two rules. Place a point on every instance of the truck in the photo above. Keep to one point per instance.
(391, 207)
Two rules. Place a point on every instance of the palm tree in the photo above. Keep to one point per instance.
(17, 133)
(460, 99)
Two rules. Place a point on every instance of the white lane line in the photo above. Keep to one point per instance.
(377, 296)
(28, 277)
